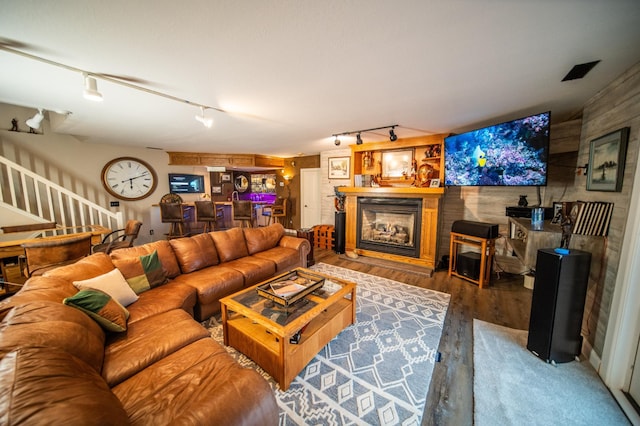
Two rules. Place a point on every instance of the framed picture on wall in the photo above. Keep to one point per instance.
(225, 177)
(396, 164)
(339, 167)
(607, 155)
(216, 189)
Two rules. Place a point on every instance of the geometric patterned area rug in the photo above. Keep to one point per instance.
(375, 372)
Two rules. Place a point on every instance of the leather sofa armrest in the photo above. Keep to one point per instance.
(300, 244)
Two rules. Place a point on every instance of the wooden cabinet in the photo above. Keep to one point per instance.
(368, 159)
(406, 163)
(224, 160)
(525, 242)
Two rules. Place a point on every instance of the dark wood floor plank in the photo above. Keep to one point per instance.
(505, 302)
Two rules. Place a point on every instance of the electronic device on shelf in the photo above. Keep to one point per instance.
(513, 153)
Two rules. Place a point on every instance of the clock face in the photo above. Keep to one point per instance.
(128, 178)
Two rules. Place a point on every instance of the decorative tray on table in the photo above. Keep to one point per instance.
(289, 288)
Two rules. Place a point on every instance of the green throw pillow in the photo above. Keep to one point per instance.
(105, 310)
(142, 273)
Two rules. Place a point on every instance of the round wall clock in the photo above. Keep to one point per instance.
(129, 178)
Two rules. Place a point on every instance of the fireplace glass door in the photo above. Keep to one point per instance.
(389, 225)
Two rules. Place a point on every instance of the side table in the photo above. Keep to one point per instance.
(487, 250)
(307, 234)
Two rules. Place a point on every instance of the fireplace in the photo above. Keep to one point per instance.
(389, 225)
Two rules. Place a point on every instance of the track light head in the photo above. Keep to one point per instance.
(392, 135)
(206, 122)
(358, 139)
(337, 141)
(91, 89)
(35, 121)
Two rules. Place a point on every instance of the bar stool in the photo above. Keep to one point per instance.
(243, 212)
(173, 213)
(206, 212)
(277, 211)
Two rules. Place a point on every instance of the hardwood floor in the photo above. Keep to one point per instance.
(505, 302)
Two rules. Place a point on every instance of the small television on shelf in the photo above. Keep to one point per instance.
(513, 153)
(182, 183)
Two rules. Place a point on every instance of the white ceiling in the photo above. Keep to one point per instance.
(292, 73)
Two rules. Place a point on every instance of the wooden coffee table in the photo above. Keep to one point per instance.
(262, 329)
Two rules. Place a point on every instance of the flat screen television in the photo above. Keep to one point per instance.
(181, 183)
(513, 153)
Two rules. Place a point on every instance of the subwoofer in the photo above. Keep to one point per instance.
(468, 264)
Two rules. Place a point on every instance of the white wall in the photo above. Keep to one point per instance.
(77, 165)
(327, 195)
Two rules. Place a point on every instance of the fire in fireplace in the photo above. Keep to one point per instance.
(389, 225)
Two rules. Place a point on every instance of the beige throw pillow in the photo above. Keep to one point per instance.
(112, 283)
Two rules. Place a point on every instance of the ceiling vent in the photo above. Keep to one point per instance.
(580, 70)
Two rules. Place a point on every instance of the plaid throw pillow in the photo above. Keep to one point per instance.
(142, 273)
(104, 309)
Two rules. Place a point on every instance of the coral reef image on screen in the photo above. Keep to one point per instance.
(514, 153)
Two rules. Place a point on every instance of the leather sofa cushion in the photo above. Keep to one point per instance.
(212, 284)
(38, 288)
(254, 269)
(54, 326)
(261, 239)
(195, 252)
(230, 244)
(199, 384)
(84, 269)
(146, 342)
(284, 258)
(39, 387)
(165, 254)
(167, 297)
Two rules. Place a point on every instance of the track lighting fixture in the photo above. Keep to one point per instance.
(91, 85)
(91, 89)
(207, 122)
(392, 135)
(35, 121)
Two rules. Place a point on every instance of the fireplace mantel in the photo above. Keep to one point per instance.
(429, 226)
(367, 159)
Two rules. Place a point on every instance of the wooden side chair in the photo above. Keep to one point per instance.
(243, 212)
(50, 253)
(120, 238)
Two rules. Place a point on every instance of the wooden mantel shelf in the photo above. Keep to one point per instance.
(392, 190)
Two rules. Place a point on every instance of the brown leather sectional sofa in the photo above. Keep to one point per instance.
(57, 365)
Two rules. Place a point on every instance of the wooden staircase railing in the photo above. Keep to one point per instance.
(41, 200)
